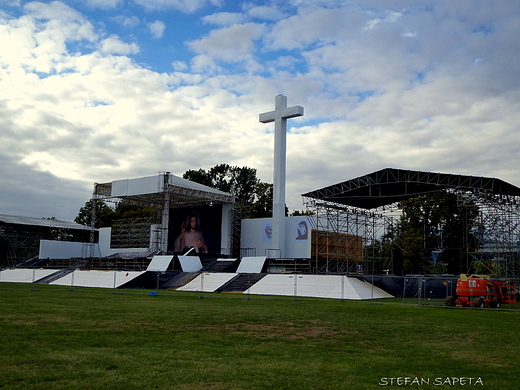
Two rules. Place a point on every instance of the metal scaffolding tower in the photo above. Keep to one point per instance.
(365, 207)
(497, 232)
(344, 240)
(20, 237)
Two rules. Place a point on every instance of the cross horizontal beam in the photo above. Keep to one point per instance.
(282, 113)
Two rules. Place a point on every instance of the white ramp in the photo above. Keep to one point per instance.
(159, 263)
(364, 288)
(102, 279)
(319, 286)
(24, 275)
(251, 265)
(190, 263)
(208, 282)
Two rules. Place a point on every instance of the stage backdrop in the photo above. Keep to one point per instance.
(257, 234)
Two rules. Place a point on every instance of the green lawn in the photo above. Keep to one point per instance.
(57, 338)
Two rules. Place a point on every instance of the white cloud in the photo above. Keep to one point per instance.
(284, 62)
(60, 23)
(231, 44)
(390, 17)
(187, 6)
(126, 21)
(179, 66)
(104, 4)
(314, 26)
(157, 29)
(39, 40)
(224, 18)
(11, 3)
(114, 45)
(318, 3)
(62, 198)
(264, 12)
(53, 11)
(204, 64)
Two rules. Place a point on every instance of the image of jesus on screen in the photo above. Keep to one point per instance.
(191, 236)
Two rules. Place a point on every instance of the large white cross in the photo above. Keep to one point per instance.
(279, 116)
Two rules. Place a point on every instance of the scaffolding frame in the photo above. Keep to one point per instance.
(132, 233)
(367, 206)
(22, 244)
(497, 231)
(344, 239)
(168, 195)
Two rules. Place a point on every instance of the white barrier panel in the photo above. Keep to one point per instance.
(103, 279)
(319, 286)
(208, 282)
(51, 249)
(251, 265)
(190, 263)
(159, 263)
(24, 275)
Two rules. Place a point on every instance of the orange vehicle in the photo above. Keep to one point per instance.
(481, 291)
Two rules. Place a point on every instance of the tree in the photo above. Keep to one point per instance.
(105, 215)
(242, 182)
(124, 210)
(433, 233)
(262, 207)
(245, 184)
(199, 176)
(298, 213)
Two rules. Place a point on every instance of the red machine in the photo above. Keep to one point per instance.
(480, 291)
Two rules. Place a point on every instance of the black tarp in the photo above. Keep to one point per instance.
(415, 286)
(150, 280)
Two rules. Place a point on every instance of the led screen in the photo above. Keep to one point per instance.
(198, 228)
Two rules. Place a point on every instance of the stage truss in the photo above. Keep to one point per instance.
(346, 240)
(168, 195)
(496, 230)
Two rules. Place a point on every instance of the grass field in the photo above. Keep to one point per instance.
(57, 338)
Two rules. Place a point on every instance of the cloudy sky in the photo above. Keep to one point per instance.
(100, 90)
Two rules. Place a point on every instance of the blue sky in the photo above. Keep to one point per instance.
(100, 90)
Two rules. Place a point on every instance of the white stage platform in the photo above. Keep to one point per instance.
(208, 282)
(23, 275)
(251, 265)
(103, 279)
(159, 263)
(319, 286)
(190, 263)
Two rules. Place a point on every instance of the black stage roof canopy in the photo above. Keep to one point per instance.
(390, 185)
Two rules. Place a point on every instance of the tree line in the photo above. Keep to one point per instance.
(255, 196)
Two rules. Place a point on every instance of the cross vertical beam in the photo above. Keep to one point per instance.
(165, 217)
(279, 116)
